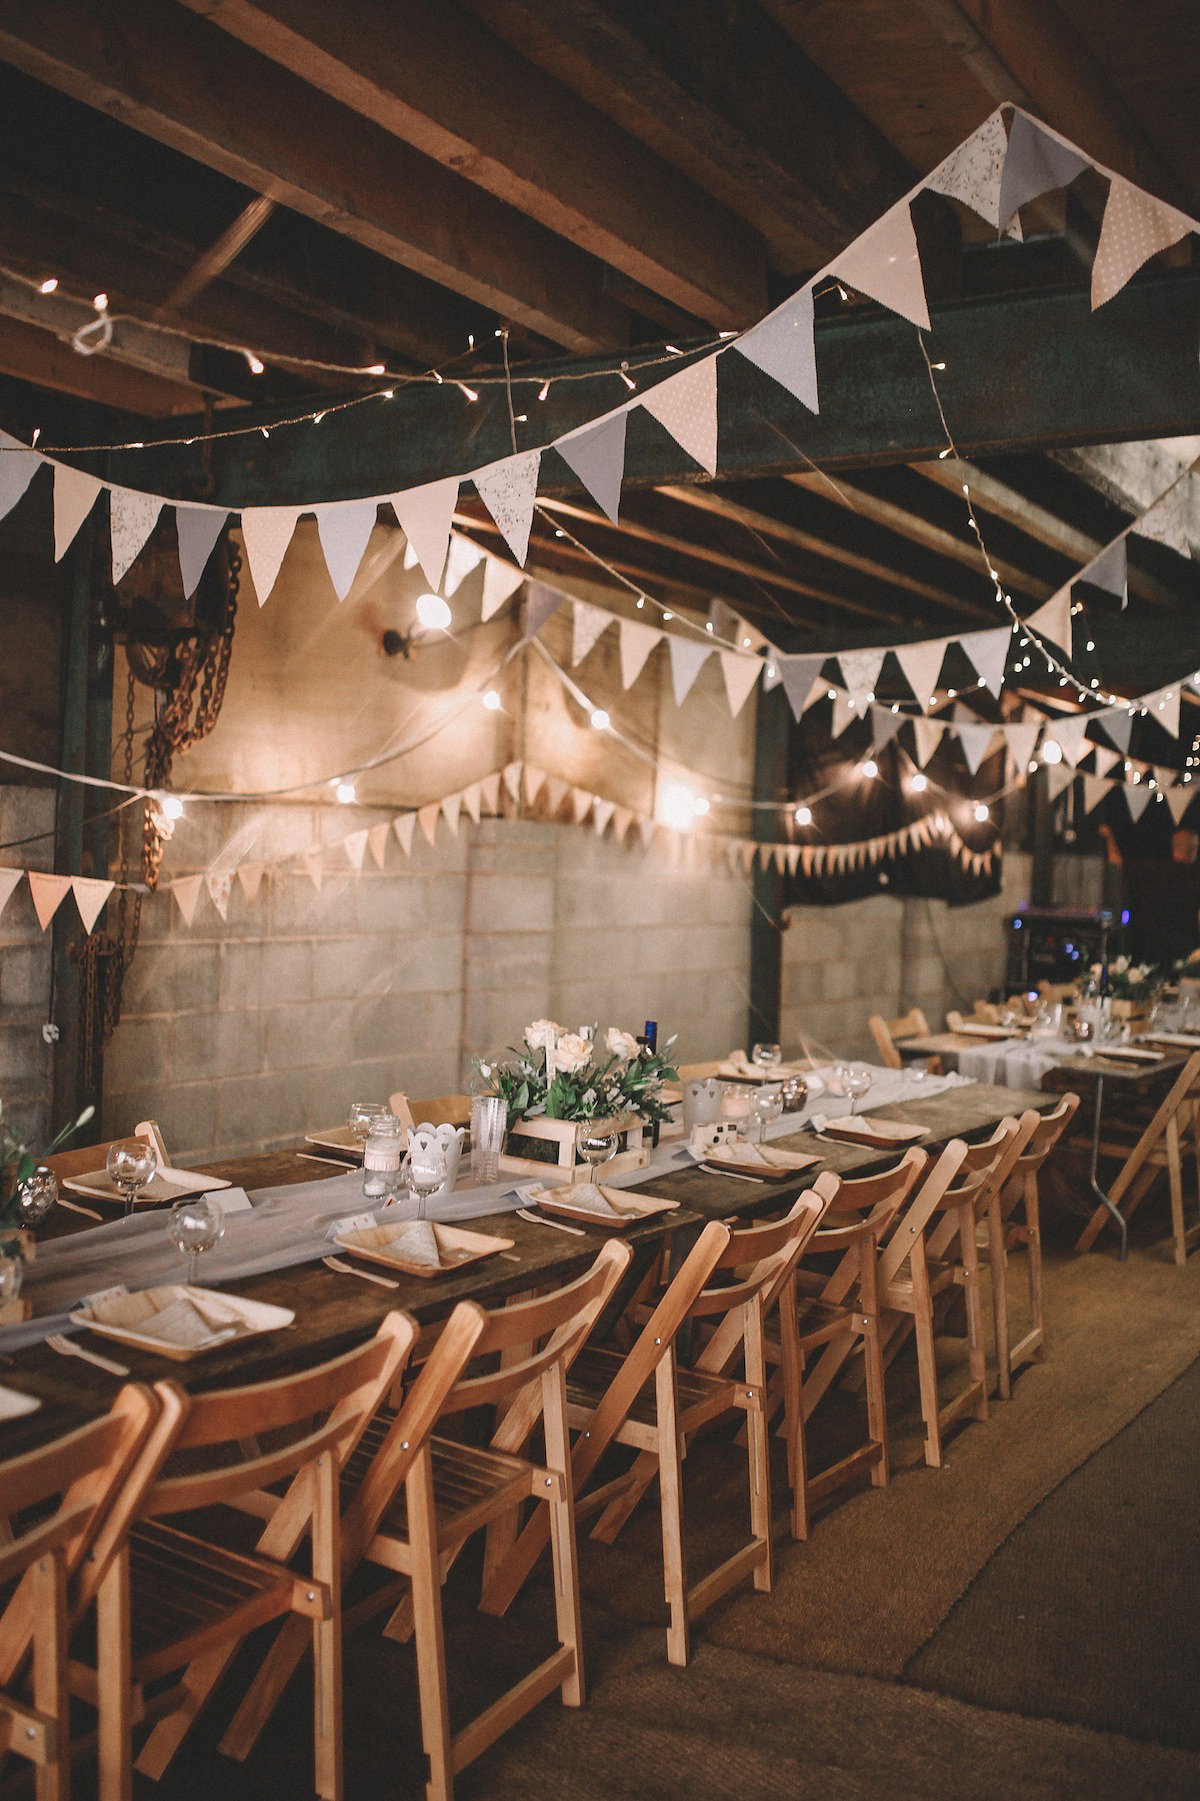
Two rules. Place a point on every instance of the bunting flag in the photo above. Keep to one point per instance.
(860, 672)
(1118, 723)
(885, 264)
(132, 516)
(1022, 737)
(1137, 799)
(685, 405)
(798, 675)
(1109, 571)
(186, 890)
(581, 804)
(541, 603)
(646, 830)
(427, 818)
(451, 809)
(18, 466)
(1069, 734)
(602, 812)
(587, 626)
(74, 497)
(355, 846)
(622, 820)
(1135, 228)
(1165, 709)
(500, 581)
(597, 457)
(1179, 800)
(267, 532)
(8, 882)
(989, 653)
(555, 792)
(1102, 758)
(974, 740)
(489, 788)
(465, 557)
(922, 664)
(471, 798)
(1058, 777)
(197, 530)
(1053, 620)
(377, 837)
(928, 734)
(740, 672)
(511, 774)
(313, 863)
(1094, 790)
(1035, 163)
(344, 526)
(845, 711)
(687, 658)
(1168, 519)
(426, 515)
(49, 892)
(403, 825)
(219, 883)
(884, 726)
(250, 877)
(90, 895)
(783, 347)
(636, 643)
(972, 173)
(534, 778)
(508, 489)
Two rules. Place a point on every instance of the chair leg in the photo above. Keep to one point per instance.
(52, 1780)
(759, 1444)
(998, 1264)
(793, 1412)
(872, 1350)
(670, 1486)
(1033, 1235)
(562, 1530)
(1175, 1177)
(976, 1355)
(430, 1643)
(926, 1355)
(115, 1682)
(327, 1634)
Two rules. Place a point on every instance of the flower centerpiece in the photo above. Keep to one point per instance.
(559, 1076)
(25, 1197)
(1130, 981)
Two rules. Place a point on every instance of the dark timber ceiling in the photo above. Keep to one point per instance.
(372, 182)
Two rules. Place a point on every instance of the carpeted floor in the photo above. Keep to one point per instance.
(859, 1674)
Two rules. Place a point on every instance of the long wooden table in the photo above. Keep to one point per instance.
(335, 1311)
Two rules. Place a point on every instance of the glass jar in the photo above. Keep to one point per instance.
(383, 1155)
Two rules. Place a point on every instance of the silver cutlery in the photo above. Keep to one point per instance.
(66, 1347)
(74, 1207)
(733, 1174)
(556, 1225)
(364, 1275)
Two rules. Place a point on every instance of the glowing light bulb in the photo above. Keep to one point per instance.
(803, 815)
(345, 794)
(470, 393)
(1051, 752)
(701, 805)
(678, 806)
(600, 719)
(172, 806)
(100, 302)
(919, 782)
(49, 285)
(870, 769)
(433, 613)
(492, 701)
(981, 813)
(254, 363)
(376, 369)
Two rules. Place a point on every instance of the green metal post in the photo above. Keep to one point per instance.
(772, 734)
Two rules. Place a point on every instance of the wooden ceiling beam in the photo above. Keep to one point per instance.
(719, 89)
(39, 357)
(435, 78)
(175, 80)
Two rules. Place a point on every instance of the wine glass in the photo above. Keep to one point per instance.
(194, 1226)
(362, 1116)
(131, 1163)
(596, 1148)
(768, 1105)
(858, 1082)
(426, 1168)
(766, 1056)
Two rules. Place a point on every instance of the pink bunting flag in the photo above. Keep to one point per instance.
(687, 658)
(90, 895)
(266, 533)
(511, 775)
(636, 643)
(508, 489)
(344, 527)
(313, 861)
(588, 625)
(49, 892)
(250, 877)
(132, 517)
(602, 812)
(8, 882)
(427, 818)
(451, 810)
(581, 804)
(555, 792)
(197, 530)
(489, 789)
(426, 515)
(186, 890)
(740, 672)
(597, 457)
(464, 557)
(782, 346)
(500, 581)
(885, 264)
(18, 466)
(402, 826)
(219, 883)
(1102, 758)
(1135, 228)
(534, 778)
(922, 664)
(74, 497)
(471, 797)
(685, 405)
(989, 653)
(622, 820)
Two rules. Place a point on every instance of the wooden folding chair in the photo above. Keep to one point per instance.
(887, 1034)
(672, 1402)
(1006, 1231)
(1160, 1147)
(83, 1470)
(82, 1160)
(412, 1500)
(170, 1601)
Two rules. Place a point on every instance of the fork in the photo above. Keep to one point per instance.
(67, 1348)
(557, 1225)
(364, 1275)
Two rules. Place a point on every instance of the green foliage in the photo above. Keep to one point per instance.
(605, 1083)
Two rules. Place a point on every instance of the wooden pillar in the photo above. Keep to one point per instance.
(82, 814)
(772, 735)
(1041, 880)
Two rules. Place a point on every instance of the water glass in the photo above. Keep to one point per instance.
(768, 1105)
(131, 1163)
(194, 1226)
(489, 1116)
(767, 1056)
(596, 1148)
(426, 1168)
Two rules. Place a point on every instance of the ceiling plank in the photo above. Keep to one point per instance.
(39, 357)
(256, 123)
(436, 79)
(718, 88)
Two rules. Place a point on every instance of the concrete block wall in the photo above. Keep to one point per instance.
(887, 953)
(25, 1057)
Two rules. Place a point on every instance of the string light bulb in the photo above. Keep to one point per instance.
(701, 806)
(870, 769)
(982, 814)
(171, 806)
(492, 701)
(433, 613)
(600, 719)
(254, 363)
(48, 286)
(1051, 751)
(470, 393)
(544, 389)
(803, 815)
(919, 782)
(345, 794)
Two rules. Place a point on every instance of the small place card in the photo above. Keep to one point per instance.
(231, 1200)
(353, 1222)
(103, 1294)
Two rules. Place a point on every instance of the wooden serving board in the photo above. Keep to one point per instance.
(628, 1209)
(457, 1245)
(878, 1134)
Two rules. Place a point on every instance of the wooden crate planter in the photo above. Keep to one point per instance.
(548, 1148)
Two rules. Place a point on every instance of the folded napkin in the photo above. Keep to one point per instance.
(418, 1243)
(183, 1324)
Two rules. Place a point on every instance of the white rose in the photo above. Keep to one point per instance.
(540, 1036)
(571, 1053)
(621, 1044)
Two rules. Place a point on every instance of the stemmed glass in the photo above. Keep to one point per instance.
(362, 1116)
(194, 1226)
(766, 1056)
(426, 1170)
(131, 1163)
(858, 1083)
(768, 1105)
(596, 1148)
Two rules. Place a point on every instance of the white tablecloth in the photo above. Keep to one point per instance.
(1013, 1062)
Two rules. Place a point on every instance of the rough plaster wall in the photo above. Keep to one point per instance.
(25, 1058)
